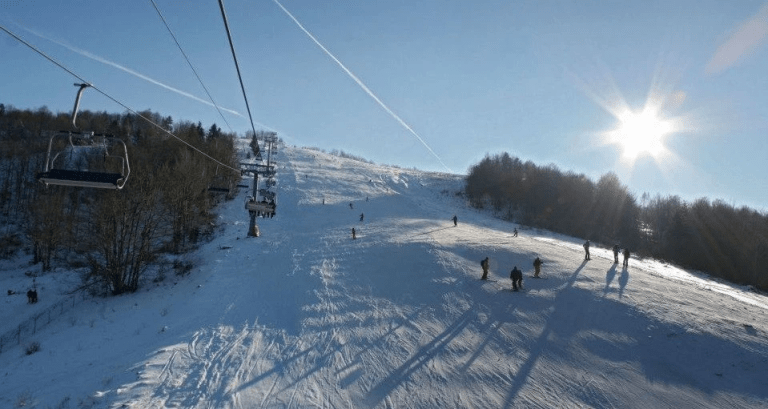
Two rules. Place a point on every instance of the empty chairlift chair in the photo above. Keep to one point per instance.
(87, 165)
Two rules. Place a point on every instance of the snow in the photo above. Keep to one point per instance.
(304, 316)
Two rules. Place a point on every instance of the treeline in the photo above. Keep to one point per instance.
(165, 206)
(714, 237)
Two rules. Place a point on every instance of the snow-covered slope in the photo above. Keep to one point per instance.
(304, 316)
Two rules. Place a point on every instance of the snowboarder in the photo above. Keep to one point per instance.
(517, 279)
(615, 254)
(455, 220)
(536, 267)
(626, 257)
(354, 234)
(484, 263)
(514, 232)
(586, 250)
(361, 216)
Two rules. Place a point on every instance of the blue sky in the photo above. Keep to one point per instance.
(434, 85)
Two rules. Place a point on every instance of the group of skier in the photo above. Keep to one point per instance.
(616, 249)
(516, 275)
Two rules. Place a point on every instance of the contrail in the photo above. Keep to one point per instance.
(128, 70)
(363, 86)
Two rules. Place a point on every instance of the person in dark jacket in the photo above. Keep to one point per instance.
(586, 250)
(455, 221)
(626, 257)
(537, 267)
(484, 264)
(615, 254)
(517, 279)
(362, 216)
(354, 234)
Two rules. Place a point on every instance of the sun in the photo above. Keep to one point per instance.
(641, 133)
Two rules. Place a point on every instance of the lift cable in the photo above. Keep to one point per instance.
(237, 66)
(115, 100)
(190, 64)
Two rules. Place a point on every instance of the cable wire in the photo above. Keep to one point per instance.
(190, 64)
(113, 99)
(240, 77)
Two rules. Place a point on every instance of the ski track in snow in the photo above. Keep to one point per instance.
(304, 316)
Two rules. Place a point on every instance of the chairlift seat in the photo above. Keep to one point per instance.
(64, 177)
(218, 189)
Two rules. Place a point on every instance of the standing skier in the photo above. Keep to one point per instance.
(626, 257)
(484, 264)
(517, 279)
(455, 220)
(586, 250)
(536, 267)
(615, 254)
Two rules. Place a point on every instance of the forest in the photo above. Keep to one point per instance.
(164, 207)
(707, 235)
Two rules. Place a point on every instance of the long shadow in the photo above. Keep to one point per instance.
(433, 231)
(623, 280)
(494, 324)
(537, 348)
(608, 278)
(425, 354)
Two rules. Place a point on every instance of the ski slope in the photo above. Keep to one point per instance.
(306, 317)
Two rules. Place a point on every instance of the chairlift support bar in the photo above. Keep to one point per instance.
(77, 102)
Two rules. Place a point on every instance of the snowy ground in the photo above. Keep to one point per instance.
(304, 316)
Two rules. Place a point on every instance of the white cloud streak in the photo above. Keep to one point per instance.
(128, 70)
(362, 85)
(746, 39)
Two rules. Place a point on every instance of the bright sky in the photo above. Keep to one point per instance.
(670, 95)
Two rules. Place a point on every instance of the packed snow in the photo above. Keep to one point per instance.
(304, 316)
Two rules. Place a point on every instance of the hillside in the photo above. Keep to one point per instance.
(304, 316)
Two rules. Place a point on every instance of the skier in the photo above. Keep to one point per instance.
(626, 257)
(455, 220)
(350, 205)
(615, 254)
(354, 235)
(517, 279)
(361, 216)
(586, 250)
(536, 267)
(514, 232)
(484, 264)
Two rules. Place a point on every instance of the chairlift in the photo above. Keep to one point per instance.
(59, 168)
(218, 184)
(260, 208)
(58, 171)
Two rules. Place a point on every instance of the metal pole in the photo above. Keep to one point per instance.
(253, 229)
